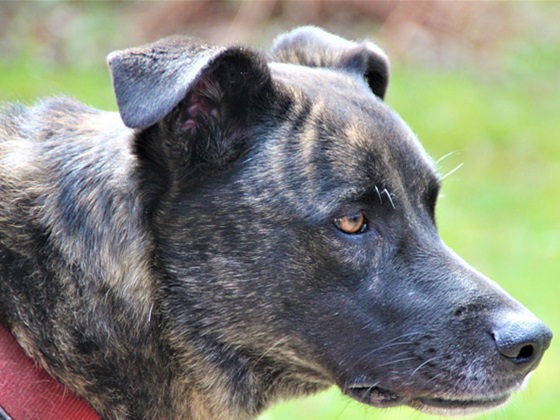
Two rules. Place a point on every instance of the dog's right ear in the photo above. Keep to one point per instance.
(313, 47)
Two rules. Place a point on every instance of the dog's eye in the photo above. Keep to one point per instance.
(352, 223)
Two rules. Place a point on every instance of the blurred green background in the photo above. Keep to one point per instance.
(478, 80)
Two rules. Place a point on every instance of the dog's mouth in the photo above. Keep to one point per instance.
(373, 395)
(383, 398)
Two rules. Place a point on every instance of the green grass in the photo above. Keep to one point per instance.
(500, 210)
(27, 79)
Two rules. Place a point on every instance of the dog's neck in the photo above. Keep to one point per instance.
(240, 387)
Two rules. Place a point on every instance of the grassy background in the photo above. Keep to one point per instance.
(500, 210)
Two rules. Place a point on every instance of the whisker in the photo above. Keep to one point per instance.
(388, 194)
(445, 157)
(391, 362)
(424, 364)
(394, 342)
(379, 194)
(452, 171)
(436, 377)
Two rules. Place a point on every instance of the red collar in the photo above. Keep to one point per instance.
(28, 392)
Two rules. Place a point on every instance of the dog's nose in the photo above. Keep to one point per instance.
(522, 341)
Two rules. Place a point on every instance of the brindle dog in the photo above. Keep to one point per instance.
(250, 227)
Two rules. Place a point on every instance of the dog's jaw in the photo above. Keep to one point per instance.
(458, 408)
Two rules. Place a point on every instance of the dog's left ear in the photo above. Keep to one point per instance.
(152, 80)
(313, 47)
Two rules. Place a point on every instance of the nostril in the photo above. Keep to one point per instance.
(526, 353)
(523, 342)
(519, 353)
(508, 347)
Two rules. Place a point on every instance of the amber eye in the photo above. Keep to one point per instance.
(352, 223)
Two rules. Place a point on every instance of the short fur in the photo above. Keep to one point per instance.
(183, 259)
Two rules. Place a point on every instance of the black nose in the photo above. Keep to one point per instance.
(522, 341)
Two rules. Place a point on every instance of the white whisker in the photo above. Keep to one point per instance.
(424, 364)
(391, 362)
(452, 171)
(445, 157)
(388, 194)
(379, 194)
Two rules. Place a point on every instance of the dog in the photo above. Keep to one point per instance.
(249, 227)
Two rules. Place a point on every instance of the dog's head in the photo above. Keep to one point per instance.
(293, 219)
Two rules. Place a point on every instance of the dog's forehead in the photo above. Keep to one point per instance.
(341, 106)
(343, 127)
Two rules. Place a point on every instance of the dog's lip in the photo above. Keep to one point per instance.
(374, 395)
(458, 407)
(381, 397)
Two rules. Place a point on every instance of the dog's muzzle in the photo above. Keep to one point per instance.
(520, 341)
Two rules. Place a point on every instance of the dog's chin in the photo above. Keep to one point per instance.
(458, 408)
(443, 406)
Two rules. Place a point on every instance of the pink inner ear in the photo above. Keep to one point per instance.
(194, 113)
(200, 108)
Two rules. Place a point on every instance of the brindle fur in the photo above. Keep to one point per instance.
(185, 264)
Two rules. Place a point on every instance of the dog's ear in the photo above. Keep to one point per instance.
(193, 106)
(313, 47)
(152, 80)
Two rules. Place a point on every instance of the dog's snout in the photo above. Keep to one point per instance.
(522, 341)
